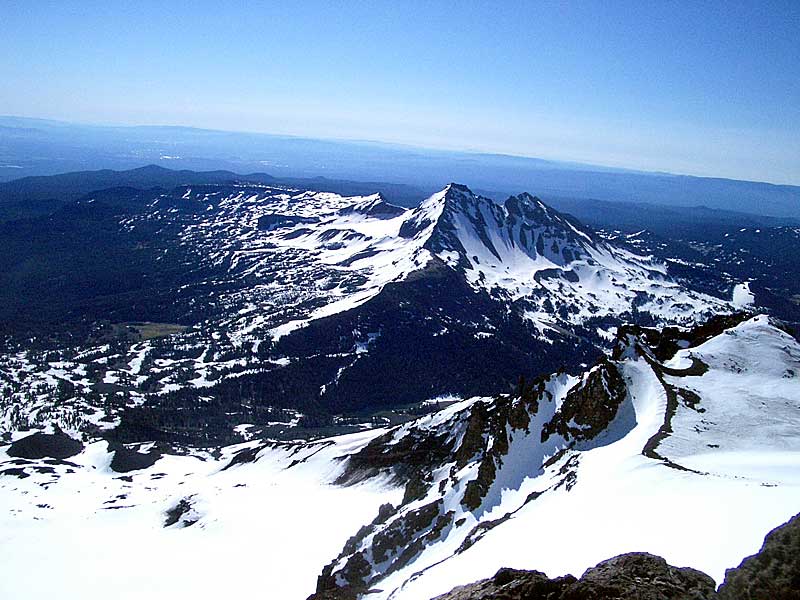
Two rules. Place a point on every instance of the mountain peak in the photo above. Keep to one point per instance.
(459, 195)
(456, 220)
(149, 169)
(457, 187)
(524, 249)
(374, 206)
(440, 211)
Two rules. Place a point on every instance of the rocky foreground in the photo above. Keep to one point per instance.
(773, 573)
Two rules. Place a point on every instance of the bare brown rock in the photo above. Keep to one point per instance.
(636, 576)
(773, 573)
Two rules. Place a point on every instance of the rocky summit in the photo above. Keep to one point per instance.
(772, 573)
(635, 576)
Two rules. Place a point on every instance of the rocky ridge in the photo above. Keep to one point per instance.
(459, 466)
(772, 573)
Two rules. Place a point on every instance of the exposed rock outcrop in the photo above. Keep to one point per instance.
(509, 584)
(589, 407)
(638, 576)
(642, 576)
(45, 445)
(126, 460)
(773, 573)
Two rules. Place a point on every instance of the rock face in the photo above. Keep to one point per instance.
(642, 576)
(591, 406)
(773, 573)
(126, 460)
(45, 445)
(637, 576)
(510, 584)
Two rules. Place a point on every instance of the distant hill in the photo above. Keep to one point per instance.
(670, 221)
(42, 194)
(67, 187)
(39, 147)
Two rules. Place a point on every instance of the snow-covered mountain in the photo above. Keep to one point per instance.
(563, 274)
(637, 454)
(682, 443)
(282, 302)
(340, 252)
(520, 250)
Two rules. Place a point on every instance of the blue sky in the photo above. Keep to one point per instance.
(707, 88)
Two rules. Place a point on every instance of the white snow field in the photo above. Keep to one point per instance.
(726, 475)
(742, 296)
(264, 529)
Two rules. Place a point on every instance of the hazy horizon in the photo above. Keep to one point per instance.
(588, 166)
(708, 90)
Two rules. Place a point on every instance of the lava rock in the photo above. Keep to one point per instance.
(641, 576)
(773, 573)
(177, 513)
(45, 445)
(635, 576)
(512, 584)
(126, 460)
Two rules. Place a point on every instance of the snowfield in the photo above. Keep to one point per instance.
(700, 460)
(265, 528)
(742, 296)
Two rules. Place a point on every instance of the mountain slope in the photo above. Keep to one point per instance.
(524, 249)
(634, 456)
(630, 455)
(277, 298)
